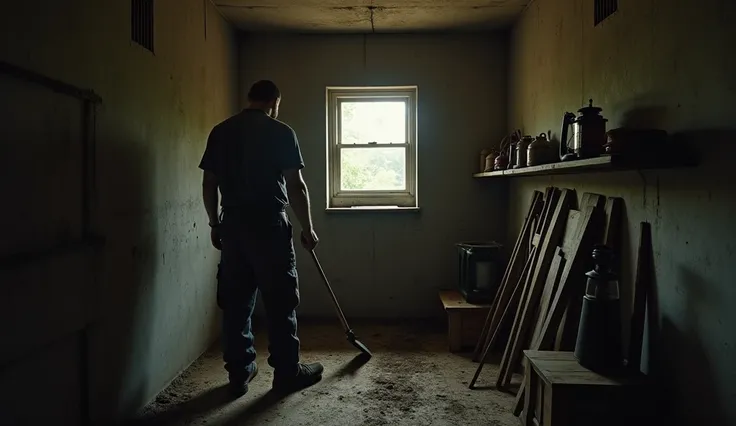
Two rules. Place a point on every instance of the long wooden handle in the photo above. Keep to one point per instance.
(329, 289)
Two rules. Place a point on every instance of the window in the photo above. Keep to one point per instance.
(372, 146)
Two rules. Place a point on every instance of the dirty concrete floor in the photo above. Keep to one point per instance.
(412, 379)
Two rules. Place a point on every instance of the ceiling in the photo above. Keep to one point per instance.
(366, 16)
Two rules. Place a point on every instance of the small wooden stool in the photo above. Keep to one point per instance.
(465, 320)
(561, 392)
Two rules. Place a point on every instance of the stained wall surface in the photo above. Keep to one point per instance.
(146, 297)
(665, 64)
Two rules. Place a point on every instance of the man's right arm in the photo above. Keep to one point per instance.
(297, 191)
(299, 198)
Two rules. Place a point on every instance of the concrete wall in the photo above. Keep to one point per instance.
(665, 64)
(385, 264)
(148, 294)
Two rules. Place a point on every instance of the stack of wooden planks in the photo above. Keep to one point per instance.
(540, 296)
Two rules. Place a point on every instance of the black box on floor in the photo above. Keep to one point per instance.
(479, 270)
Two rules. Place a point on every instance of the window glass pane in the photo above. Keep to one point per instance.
(366, 122)
(373, 169)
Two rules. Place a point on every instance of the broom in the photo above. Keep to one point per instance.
(348, 331)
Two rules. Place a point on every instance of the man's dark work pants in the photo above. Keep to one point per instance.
(258, 254)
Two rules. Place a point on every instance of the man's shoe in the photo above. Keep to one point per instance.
(306, 375)
(239, 386)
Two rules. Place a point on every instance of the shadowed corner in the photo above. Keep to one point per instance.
(694, 389)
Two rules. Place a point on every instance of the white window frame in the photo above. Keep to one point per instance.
(338, 198)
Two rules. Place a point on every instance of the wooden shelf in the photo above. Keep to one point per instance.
(599, 164)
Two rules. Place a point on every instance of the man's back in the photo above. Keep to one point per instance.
(249, 159)
(248, 153)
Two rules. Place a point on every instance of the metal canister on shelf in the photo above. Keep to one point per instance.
(501, 162)
(512, 156)
(483, 154)
(541, 151)
(521, 151)
(490, 161)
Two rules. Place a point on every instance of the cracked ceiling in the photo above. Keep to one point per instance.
(366, 16)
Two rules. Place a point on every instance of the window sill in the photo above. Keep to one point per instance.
(372, 209)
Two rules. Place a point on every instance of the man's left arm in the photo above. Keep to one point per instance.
(210, 195)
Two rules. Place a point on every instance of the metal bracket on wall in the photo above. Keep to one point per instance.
(53, 84)
(19, 260)
(88, 240)
(90, 100)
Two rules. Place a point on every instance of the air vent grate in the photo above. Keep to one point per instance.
(141, 22)
(603, 9)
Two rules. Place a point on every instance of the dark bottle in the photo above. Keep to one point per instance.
(598, 345)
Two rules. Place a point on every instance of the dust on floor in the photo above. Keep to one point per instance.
(412, 379)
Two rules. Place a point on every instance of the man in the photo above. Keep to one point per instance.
(255, 162)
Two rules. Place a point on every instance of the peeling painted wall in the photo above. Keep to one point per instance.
(665, 64)
(148, 296)
(391, 264)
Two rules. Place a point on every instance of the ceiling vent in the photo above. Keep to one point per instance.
(141, 23)
(603, 9)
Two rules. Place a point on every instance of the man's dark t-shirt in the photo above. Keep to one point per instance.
(248, 153)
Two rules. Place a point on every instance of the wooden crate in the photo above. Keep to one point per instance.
(561, 392)
(465, 320)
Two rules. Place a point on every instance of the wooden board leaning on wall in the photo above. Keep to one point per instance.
(540, 294)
